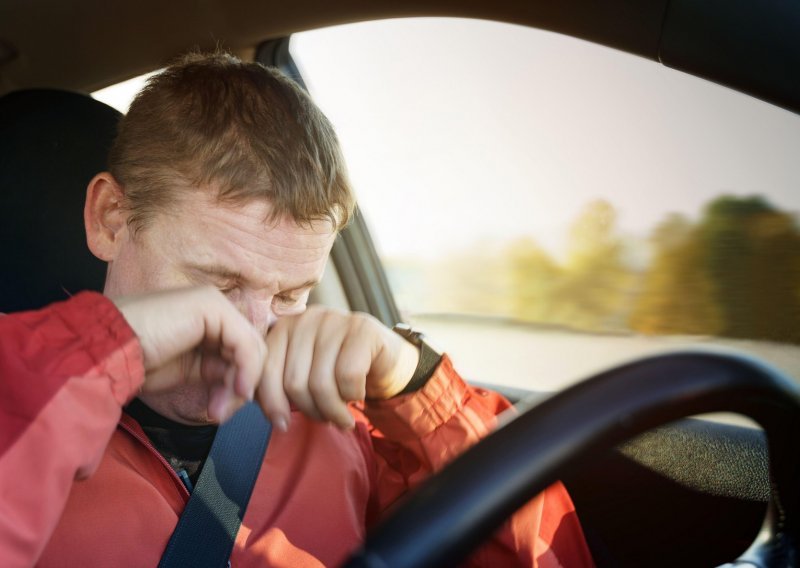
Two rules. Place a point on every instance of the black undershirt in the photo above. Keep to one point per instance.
(184, 447)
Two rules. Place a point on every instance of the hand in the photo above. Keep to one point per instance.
(195, 335)
(322, 359)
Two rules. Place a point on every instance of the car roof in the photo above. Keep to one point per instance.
(87, 44)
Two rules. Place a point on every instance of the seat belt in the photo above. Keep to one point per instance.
(207, 528)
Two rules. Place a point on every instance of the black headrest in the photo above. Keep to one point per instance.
(51, 144)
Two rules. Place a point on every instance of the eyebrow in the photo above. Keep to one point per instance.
(216, 270)
(306, 284)
(229, 274)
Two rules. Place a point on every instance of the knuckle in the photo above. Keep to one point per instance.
(352, 385)
(348, 371)
(319, 387)
(265, 400)
(353, 391)
(272, 371)
(365, 319)
(293, 385)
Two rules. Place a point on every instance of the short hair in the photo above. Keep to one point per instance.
(248, 129)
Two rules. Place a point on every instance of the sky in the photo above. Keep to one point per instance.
(458, 130)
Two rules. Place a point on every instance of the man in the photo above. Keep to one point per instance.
(225, 192)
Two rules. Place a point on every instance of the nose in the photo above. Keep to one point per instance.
(261, 316)
(258, 311)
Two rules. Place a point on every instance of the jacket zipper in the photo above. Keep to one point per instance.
(146, 442)
(175, 477)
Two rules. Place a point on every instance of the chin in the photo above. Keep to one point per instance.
(188, 405)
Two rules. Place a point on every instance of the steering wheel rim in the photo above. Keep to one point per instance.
(456, 509)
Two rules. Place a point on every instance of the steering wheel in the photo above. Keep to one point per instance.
(459, 507)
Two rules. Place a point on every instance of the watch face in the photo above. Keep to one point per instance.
(405, 330)
(415, 337)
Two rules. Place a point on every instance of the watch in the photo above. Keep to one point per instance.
(429, 358)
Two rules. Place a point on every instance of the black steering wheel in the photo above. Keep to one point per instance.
(458, 508)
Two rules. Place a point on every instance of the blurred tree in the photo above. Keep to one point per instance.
(595, 286)
(677, 296)
(737, 273)
(533, 277)
(473, 281)
(673, 231)
(752, 257)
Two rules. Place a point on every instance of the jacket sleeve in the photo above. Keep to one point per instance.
(65, 372)
(419, 433)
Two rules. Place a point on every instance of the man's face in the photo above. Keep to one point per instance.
(266, 269)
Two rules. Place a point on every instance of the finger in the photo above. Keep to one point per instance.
(218, 400)
(270, 393)
(353, 364)
(213, 367)
(223, 401)
(297, 364)
(162, 378)
(189, 368)
(322, 383)
(242, 343)
(178, 371)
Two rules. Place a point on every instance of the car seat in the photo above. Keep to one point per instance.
(51, 144)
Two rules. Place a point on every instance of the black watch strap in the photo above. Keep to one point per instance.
(429, 358)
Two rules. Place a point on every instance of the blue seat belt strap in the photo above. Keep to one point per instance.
(206, 531)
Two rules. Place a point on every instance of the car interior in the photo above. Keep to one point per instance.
(651, 486)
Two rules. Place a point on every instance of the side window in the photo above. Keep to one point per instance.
(546, 207)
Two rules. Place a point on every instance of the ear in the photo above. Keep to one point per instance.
(104, 216)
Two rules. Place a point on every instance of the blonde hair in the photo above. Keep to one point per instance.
(247, 129)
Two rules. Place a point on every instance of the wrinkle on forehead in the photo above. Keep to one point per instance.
(239, 236)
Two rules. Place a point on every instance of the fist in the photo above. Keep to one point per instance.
(323, 358)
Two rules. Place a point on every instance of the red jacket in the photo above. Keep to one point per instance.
(80, 484)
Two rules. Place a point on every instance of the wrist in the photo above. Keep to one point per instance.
(393, 369)
(428, 358)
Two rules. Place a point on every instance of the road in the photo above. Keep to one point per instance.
(549, 359)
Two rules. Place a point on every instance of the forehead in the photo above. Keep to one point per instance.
(241, 238)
